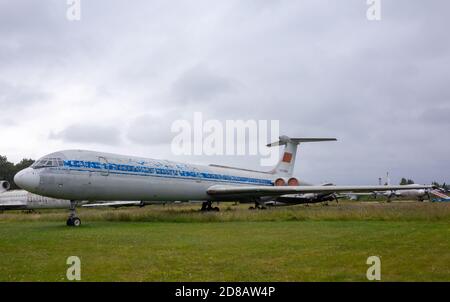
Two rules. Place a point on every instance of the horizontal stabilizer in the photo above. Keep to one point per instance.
(284, 140)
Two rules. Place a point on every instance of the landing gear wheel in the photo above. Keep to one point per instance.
(73, 221)
(76, 222)
(257, 206)
(207, 207)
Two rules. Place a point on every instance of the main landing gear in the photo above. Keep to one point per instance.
(207, 207)
(73, 220)
(258, 206)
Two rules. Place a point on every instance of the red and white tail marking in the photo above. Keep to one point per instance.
(439, 194)
(287, 157)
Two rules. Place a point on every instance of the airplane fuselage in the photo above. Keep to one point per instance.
(88, 175)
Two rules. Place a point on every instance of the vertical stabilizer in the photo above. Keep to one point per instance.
(285, 166)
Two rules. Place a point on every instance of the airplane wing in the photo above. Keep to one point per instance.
(114, 204)
(259, 191)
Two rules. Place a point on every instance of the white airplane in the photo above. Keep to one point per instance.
(87, 175)
(408, 191)
(419, 194)
(23, 200)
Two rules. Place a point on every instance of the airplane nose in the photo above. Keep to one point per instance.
(27, 179)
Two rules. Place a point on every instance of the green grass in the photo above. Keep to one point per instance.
(398, 211)
(177, 244)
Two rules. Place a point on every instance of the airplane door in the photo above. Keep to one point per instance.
(104, 166)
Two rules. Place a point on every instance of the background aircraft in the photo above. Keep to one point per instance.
(88, 175)
(23, 200)
(307, 198)
(418, 194)
(443, 188)
(408, 191)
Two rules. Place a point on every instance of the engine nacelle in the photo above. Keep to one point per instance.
(293, 182)
(280, 182)
(4, 186)
(286, 182)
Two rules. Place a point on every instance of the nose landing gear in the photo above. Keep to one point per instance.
(73, 220)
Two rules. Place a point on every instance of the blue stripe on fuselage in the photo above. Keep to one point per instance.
(160, 172)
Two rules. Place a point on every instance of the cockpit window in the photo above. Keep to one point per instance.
(48, 163)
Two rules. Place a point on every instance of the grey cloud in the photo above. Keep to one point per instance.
(7, 121)
(317, 66)
(200, 84)
(13, 95)
(151, 129)
(437, 115)
(93, 134)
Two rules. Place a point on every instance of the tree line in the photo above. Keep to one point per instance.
(9, 169)
(405, 181)
(408, 181)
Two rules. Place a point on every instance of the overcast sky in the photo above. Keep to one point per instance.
(115, 80)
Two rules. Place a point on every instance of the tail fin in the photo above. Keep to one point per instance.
(286, 164)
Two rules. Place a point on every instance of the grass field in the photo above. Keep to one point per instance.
(177, 243)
